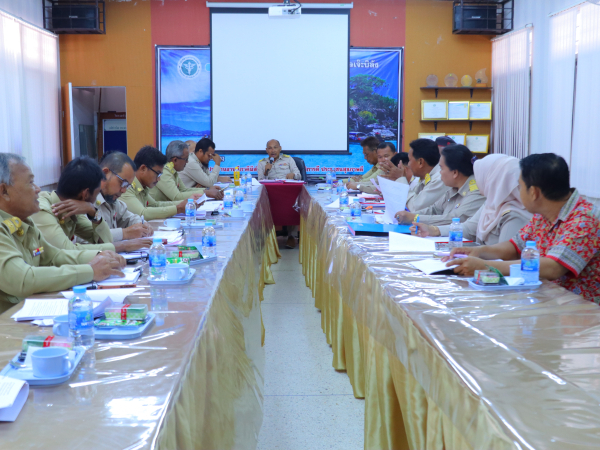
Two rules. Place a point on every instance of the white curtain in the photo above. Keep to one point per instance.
(29, 95)
(511, 58)
(556, 118)
(585, 159)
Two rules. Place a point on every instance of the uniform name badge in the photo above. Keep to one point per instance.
(38, 251)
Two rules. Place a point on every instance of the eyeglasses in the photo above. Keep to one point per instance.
(158, 174)
(124, 183)
(183, 159)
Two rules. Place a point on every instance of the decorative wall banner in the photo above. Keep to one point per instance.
(183, 106)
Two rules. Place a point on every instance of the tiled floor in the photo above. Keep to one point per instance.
(308, 405)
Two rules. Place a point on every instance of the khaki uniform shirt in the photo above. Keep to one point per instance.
(196, 172)
(171, 188)
(427, 192)
(281, 167)
(60, 232)
(30, 265)
(462, 203)
(140, 202)
(117, 216)
(368, 188)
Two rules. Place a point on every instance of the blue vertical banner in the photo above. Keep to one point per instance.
(375, 86)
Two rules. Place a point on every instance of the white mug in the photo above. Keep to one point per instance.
(515, 270)
(51, 362)
(177, 271)
(173, 223)
(61, 325)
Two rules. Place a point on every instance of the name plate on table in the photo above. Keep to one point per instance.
(375, 229)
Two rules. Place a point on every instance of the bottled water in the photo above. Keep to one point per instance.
(530, 263)
(355, 209)
(456, 234)
(340, 188)
(239, 196)
(81, 318)
(190, 212)
(209, 242)
(158, 259)
(328, 179)
(344, 199)
(333, 176)
(228, 202)
(248, 179)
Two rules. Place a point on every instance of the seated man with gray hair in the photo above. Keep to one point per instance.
(170, 187)
(28, 263)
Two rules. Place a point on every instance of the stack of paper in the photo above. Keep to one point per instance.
(100, 295)
(255, 182)
(202, 199)
(170, 236)
(431, 266)
(34, 309)
(334, 205)
(395, 195)
(13, 394)
(211, 206)
(399, 242)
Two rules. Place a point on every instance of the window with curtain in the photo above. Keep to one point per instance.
(585, 158)
(29, 96)
(511, 60)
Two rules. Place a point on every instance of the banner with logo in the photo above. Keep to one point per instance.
(183, 106)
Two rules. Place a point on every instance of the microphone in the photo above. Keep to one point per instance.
(271, 160)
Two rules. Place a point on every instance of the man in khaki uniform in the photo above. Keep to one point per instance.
(423, 159)
(385, 152)
(170, 187)
(277, 166)
(28, 263)
(150, 163)
(369, 146)
(196, 174)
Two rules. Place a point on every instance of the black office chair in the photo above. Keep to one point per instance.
(301, 167)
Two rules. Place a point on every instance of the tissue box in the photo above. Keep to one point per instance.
(486, 277)
(46, 341)
(127, 312)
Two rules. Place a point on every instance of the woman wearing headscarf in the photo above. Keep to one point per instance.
(502, 215)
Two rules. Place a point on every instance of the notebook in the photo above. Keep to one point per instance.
(376, 229)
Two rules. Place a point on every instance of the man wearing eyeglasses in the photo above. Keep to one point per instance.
(170, 187)
(119, 172)
(149, 162)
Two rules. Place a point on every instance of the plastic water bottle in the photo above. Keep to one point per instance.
(340, 188)
(239, 195)
(333, 176)
(456, 233)
(81, 318)
(190, 212)
(158, 259)
(530, 263)
(356, 209)
(248, 179)
(209, 242)
(328, 179)
(344, 199)
(228, 202)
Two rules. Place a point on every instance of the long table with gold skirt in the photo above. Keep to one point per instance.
(441, 365)
(193, 381)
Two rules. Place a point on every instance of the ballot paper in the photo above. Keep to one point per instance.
(395, 195)
(334, 205)
(13, 395)
(430, 266)
(399, 242)
(211, 206)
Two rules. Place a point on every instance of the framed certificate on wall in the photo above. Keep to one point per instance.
(480, 111)
(478, 143)
(434, 109)
(458, 110)
(460, 138)
(431, 136)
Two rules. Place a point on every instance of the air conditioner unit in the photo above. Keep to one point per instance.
(482, 17)
(75, 16)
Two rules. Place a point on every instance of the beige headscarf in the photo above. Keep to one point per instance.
(497, 177)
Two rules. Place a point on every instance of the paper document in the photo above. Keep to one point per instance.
(13, 395)
(202, 199)
(100, 295)
(294, 181)
(255, 182)
(211, 206)
(133, 255)
(405, 243)
(34, 309)
(430, 266)
(440, 239)
(334, 205)
(170, 236)
(395, 195)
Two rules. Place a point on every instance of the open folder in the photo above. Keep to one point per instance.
(13, 395)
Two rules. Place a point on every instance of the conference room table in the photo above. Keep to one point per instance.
(193, 381)
(444, 366)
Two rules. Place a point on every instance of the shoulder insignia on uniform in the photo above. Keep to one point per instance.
(61, 221)
(473, 186)
(505, 212)
(427, 179)
(285, 156)
(170, 166)
(98, 202)
(14, 225)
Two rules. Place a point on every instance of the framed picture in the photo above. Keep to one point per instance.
(478, 143)
(434, 109)
(460, 138)
(431, 136)
(480, 111)
(458, 110)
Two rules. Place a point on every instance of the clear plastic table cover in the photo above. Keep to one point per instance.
(530, 358)
(194, 380)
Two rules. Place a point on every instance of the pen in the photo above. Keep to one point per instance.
(142, 219)
(116, 287)
(417, 226)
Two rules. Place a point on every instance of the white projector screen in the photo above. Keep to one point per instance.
(279, 78)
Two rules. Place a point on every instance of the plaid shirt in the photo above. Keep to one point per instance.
(573, 241)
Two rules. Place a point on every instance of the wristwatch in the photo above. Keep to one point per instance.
(97, 218)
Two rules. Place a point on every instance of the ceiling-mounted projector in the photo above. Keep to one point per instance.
(287, 10)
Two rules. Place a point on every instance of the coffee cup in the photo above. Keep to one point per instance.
(51, 362)
(177, 271)
(237, 212)
(515, 270)
(173, 223)
(247, 207)
(368, 218)
(61, 325)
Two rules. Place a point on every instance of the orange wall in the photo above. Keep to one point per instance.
(122, 57)
(431, 48)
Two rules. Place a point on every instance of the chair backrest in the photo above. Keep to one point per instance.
(301, 167)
